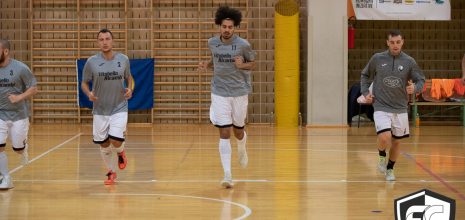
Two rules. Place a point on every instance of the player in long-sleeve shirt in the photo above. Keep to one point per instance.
(395, 76)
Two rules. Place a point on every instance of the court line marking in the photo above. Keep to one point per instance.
(247, 210)
(238, 181)
(45, 153)
(161, 134)
(295, 149)
(434, 175)
(288, 143)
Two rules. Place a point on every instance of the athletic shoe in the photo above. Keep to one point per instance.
(122, 161)
(390, 175)
(7, 183)
(111, 178)
(227, 182)
(382, 164)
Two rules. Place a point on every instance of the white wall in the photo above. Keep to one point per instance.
(327, 63)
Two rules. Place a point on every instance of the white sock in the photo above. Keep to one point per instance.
(4, 164)
(108, 158)
(120, 148)
(241, 143)
(225, 153)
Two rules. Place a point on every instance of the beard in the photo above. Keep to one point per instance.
(2, 57)
(226, 36)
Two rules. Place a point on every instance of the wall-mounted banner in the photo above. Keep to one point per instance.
(142, 95)
(402, 9)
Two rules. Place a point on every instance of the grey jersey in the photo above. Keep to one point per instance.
(15, 78)
(228, 81)
(390, 79)
(107, 78)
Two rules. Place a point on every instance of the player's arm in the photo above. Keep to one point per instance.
(86, 78)
(365, 80)
(418, 78)
(86, 90)
(30, 83)
(204, 65)
(365, 76)
(247, 60)
(129, 80)
(128, 89)
(240, 64)
(29, 92)
(85, 87)
(25, 95)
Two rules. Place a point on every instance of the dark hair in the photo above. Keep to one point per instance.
(227, 13)
(394, 33)
(104, 30)
(5, 43)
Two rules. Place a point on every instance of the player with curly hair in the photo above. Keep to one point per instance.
(232, 61)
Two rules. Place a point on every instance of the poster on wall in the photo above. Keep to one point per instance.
(402, 9)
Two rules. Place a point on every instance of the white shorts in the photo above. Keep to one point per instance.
(228, 111)
(17, 132)
(113, 126)
(396, 123)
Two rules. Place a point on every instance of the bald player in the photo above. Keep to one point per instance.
(17, 84)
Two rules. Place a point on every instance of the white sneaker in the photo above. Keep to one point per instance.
(227, 182)
(390, 175)
(24, 158)
(382, 164)
(7, 183)
(243, 159)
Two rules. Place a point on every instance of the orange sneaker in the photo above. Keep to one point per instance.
(122, 161)
(111, 178)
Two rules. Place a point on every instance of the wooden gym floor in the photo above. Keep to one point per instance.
(174, 172)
